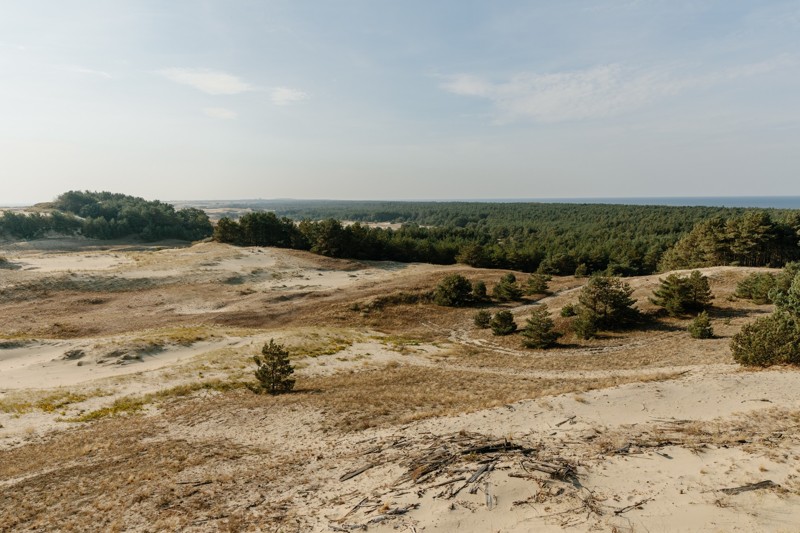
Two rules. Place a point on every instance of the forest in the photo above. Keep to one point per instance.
(105, 215)
(551, 238)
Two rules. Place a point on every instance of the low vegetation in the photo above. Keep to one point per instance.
(502, 323)
(274, 369)
(605, 303)
(700, 327)
(773, 339)
(538, 332)
(679, 295)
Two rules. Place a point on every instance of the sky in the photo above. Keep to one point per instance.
(386, 99)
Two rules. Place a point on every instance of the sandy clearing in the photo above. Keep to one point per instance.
(677, 489)
(42, 365)
(65, 262)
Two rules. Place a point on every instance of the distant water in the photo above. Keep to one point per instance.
(777, 202)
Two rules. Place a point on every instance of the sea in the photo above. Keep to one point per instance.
(764, 202)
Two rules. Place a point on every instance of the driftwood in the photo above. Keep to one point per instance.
(392, 513)
(356, 472)
(562, 472)
(767, 484)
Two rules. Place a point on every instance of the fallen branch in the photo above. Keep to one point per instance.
(356, 472)
(767, 484)
(556, 471)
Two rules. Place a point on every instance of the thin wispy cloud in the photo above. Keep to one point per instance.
(88, 71)
(220, 113)
(597, 92)
(209, 81)
(285, 96)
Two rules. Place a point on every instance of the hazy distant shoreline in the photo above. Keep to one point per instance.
(776, 202)
(765, 202)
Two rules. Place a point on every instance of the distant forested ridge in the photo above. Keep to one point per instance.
(105, 215)
(554, 238)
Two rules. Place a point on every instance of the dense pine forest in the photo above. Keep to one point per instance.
(553, 238)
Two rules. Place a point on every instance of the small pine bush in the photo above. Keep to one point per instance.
(507, 289)
(537, 283)
(482, 319)
(700, 328)
(503, 323)
(568, 311)
(479, 291)
(453, 291)
(770, 340)
(274, 370)
(538, 332)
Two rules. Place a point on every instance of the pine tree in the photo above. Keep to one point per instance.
(538, 331)
(479, 291)
(274, 369)
(698, 292)
(671, 294)
(537, 283)
(507, 289)
(700, 328)
(502, 323)
(482, 318)
(606, 302)
(453, 291)
(681, 295)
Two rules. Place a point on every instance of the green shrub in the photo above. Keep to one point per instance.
(568, 311)
(453, 291)
(538, 331)
(756, 287)
(605, 303)
(479, 291)
(503, 323)
(507, 289)
(482, 319)
(585, 324)
(700, 327)
(770, 340)
(537, 283)
(679, 295)
(274, 369)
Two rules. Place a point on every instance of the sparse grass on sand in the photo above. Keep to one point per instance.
(189, 447)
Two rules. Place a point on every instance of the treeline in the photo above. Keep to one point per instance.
(105, 215)
(752, 239)
(551, 238)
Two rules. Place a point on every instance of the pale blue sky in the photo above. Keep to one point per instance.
(374, 99)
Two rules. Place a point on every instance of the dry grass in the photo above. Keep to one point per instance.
(115, 477)
(398, 394)
(770, 433)
(20, 402)
(204, 456)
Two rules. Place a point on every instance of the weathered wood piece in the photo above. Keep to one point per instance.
(767, 484)
(356, 472)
